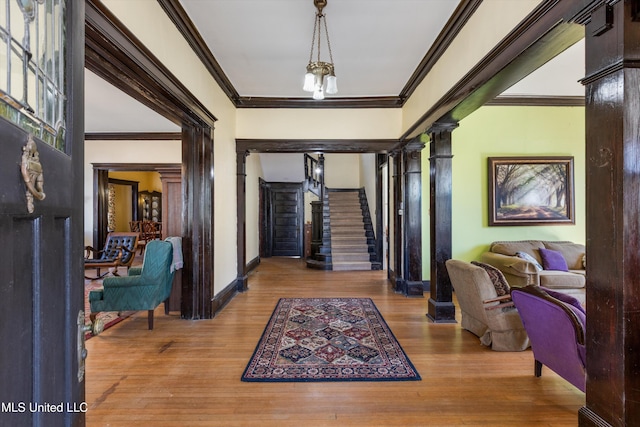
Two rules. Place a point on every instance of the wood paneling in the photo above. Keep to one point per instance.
(187, 372)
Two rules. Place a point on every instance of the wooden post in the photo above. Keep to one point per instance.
(241, 189)
(440, 308)
(612, 99)
(412, 214)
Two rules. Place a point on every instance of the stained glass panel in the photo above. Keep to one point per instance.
(32, 67)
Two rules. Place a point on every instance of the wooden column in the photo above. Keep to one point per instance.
(396, 217)
(241, 194)
(198, 238)
(440, 308)
(381, 161)
(412, 214)
(171, 179)
(100, 206)
(613, 214)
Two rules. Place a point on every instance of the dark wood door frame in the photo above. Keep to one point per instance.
(100, 190)
(246, 146)
(115, 54)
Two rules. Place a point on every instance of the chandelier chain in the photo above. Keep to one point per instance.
(326, 33)
(313, 39)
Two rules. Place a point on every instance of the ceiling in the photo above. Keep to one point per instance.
(262, 46)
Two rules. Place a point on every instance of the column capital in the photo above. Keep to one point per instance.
(439, 127)
(415, 144)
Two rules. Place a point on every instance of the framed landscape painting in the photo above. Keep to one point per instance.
(531, 190)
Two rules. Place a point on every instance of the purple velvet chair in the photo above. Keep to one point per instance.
(555, 323)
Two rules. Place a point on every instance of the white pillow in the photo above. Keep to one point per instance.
(525, 256)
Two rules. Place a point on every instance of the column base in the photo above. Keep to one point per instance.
(441, 312)
(414, 289)
(242, 283)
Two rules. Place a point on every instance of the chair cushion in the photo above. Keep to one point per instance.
(553, 260)
(497, 278)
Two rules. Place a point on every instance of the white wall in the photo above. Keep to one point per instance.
(342, 170)
(368, 181)
(254, 173)
(283, 123)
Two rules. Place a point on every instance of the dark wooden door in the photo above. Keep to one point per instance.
(41, 272)
(287, 217)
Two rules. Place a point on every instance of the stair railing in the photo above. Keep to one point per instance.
(314, 174)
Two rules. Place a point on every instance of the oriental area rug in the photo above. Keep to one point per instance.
(328, 339)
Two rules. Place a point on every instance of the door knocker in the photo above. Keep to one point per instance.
(32, 173)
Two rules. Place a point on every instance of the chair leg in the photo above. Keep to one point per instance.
(537, 369)
(150, 319)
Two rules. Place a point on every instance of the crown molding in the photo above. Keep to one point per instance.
(537, 101)
(133, 136)
(367, 102)
(456, 22)
(186, 27)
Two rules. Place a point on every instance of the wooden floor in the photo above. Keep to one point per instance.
(187, 373)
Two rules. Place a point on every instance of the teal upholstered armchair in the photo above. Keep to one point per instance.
(145, 287)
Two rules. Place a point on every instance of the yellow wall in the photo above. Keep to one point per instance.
(511, 131)
(147, 181)
(121, 152)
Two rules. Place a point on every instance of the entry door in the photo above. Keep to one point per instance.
(41, 272)
(287, 208)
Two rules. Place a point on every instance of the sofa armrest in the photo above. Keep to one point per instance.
(523, 271)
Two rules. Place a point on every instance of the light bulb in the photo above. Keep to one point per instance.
(308, 82)
(332, 85)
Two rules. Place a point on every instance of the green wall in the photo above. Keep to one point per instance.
(506, 131)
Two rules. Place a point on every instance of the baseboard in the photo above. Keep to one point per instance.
(253, 264)
(224, 297)
(586, 417)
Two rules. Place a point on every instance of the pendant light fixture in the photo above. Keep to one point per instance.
(320, 77)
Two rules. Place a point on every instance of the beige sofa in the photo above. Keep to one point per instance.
(519, 272)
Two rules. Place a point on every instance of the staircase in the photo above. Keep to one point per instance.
(349, 241)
